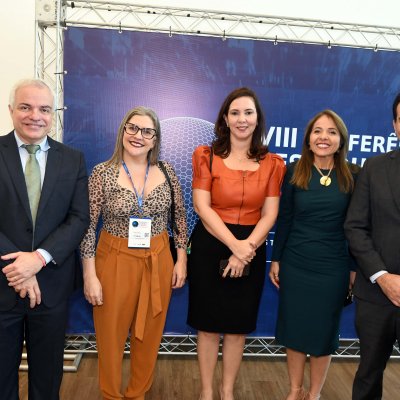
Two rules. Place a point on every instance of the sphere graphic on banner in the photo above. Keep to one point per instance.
(179, 137)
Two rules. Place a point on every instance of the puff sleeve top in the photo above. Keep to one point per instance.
(237, 196)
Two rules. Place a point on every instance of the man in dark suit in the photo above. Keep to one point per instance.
(373, 230)
(38, 239)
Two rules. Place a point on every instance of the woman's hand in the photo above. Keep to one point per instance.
(179, 275)
(93, 290)
(274, 273)
(244, 250)
(234, 268)
(352, 279)
(180, 271)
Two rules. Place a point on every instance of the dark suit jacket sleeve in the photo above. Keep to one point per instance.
(65, 238)
(6, 246)
(358, 227)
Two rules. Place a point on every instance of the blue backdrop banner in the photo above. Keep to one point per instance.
(186, 78)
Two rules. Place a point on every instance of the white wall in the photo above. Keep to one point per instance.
(18, 24)
(17, 49)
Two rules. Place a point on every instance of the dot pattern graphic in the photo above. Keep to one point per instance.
(179, 138)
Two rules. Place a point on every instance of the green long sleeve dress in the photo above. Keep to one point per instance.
(314, 260)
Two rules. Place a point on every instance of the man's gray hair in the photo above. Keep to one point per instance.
(29, 82)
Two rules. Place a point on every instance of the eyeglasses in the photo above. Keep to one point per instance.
(147, 133)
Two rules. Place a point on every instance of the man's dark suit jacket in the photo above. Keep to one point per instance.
(373, 223)
(62, 217)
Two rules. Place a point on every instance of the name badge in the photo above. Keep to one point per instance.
(139, 233)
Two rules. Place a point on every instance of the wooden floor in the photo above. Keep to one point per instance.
(177, 378)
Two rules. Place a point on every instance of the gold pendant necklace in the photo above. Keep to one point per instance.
(325, 180)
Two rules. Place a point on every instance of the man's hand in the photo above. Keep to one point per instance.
(390, 285)
(24, 266)
(31, 288)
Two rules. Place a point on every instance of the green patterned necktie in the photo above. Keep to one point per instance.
(32, 178)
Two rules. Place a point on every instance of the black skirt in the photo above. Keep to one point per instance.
(223, 305)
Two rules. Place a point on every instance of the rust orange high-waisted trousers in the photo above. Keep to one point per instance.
(136, 292)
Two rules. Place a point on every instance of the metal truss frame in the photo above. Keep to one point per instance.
(186, 345)
(124, 16)
(189, 21)
(49, 51)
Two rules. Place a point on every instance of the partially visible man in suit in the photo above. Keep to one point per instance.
(44, 213)
(373, 230)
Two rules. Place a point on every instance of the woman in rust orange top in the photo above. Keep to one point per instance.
(236, 189)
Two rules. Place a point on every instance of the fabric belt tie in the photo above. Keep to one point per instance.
(150, 286)
(148, 292)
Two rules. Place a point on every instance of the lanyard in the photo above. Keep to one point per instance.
(141, 196)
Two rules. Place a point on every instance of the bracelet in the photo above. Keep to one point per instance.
(41, 258)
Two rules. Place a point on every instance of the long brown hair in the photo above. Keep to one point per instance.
(153, 154)
(303, 169)
(222, 144)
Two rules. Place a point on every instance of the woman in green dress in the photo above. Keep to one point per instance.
(311, 265)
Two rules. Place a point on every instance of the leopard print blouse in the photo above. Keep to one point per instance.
(116, 204)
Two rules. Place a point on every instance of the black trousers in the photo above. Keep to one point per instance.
(43, 330)
(378, 328)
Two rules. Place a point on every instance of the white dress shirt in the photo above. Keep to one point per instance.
(41, 156)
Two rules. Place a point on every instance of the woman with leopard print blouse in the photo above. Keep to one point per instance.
(128, 278)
